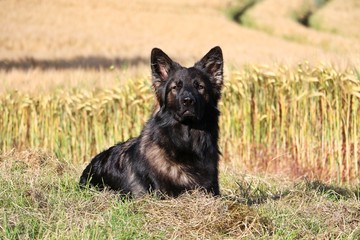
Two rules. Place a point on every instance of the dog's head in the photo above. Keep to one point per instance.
(187, 92)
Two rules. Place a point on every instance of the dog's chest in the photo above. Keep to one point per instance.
(179, 170)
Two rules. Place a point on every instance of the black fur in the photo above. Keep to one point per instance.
(178, 148)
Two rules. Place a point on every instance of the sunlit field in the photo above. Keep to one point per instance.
(75, 80)
(302, 120)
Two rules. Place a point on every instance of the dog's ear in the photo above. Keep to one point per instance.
(161, 65)
(212, 63)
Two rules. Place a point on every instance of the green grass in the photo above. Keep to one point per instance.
(40, 199)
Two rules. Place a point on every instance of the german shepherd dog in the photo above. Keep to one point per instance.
(178, 148)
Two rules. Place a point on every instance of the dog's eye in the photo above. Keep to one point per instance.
(176, 86)
(198, 86)
(179, 84)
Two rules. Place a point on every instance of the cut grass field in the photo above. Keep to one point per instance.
(40, 199)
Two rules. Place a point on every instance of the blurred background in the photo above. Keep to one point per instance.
(51, 44)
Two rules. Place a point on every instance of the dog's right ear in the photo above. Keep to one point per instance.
(161, 65)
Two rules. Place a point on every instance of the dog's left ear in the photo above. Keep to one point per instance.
(212, 63)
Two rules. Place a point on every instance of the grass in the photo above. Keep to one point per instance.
(40, 199)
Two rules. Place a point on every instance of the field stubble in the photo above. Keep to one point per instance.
(40, 199)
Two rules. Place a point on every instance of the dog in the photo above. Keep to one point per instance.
(177, 149)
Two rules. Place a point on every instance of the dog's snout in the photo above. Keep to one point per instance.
(188, 101)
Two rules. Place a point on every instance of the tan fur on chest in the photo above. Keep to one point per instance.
(167, 168)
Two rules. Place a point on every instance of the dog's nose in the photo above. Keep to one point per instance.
(188, 101)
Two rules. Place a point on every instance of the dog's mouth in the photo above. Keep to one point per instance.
(186, 116)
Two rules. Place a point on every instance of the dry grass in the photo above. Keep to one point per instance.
(316, 214)
(41, 190)
(40, 199)
(198, 216)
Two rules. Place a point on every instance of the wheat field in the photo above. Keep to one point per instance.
(302, 120)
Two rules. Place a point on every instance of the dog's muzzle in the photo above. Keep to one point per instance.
(188, 108)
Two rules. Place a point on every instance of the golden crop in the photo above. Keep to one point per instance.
(303, 120)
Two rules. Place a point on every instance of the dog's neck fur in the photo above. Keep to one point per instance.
(182, 137)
